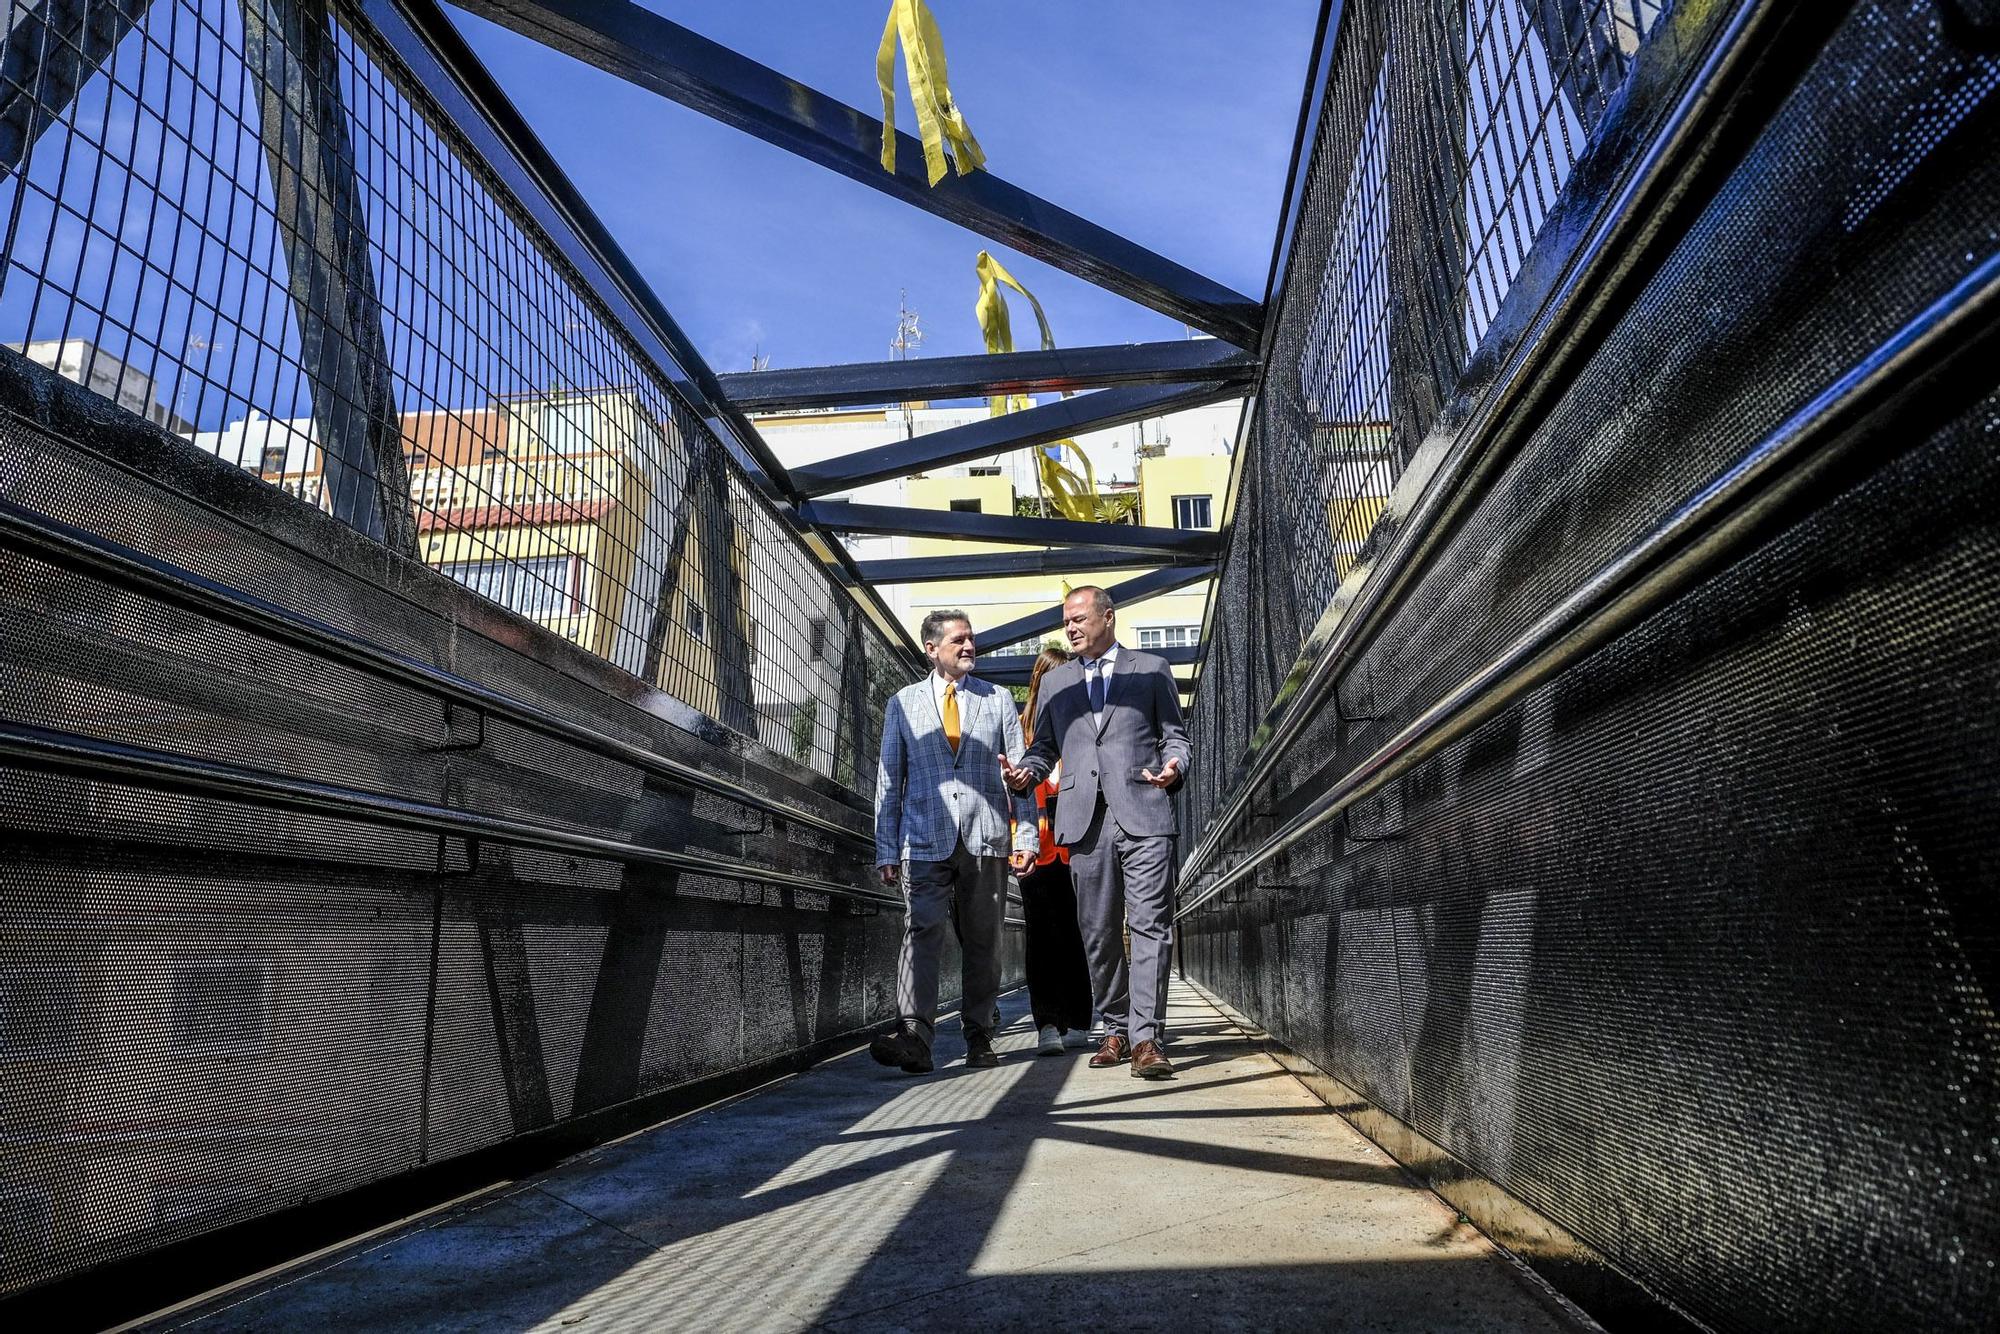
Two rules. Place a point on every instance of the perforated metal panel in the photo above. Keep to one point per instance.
(1692, 948)
(212, 1010)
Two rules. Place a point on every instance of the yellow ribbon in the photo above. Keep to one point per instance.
(1073, 494)
(938, 117)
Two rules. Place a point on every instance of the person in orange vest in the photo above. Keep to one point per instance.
(1058, 973)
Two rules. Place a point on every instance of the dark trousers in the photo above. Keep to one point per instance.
(1058, 973)
(1126, 881)
(970, 893)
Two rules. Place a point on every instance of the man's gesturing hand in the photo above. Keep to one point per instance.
(1020, 780)
(1022, 862)
(1165, 777)
(891, 872)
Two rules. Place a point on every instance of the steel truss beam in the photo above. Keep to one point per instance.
(49, 51)
(1122, 595)
(1006, 564)
(1426, 139)
(999, 435)
(1186, 361)
(288, 47)
(472, 102)
(1581, 41)
(644, 49)
(1012, 669)
(841, 516)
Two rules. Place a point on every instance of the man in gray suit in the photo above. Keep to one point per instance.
(942, 828)
(1112, 715)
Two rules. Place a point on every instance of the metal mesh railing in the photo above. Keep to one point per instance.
(250, 223)
(1445, 137)
(1614, 849)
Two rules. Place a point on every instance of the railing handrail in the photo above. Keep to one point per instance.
(1702, 534)
(78, 548)
(144, 766)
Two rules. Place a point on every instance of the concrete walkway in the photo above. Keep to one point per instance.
(1042, 1194)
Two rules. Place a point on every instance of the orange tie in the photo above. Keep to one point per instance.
(951, 715)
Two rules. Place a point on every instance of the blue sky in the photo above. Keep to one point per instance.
(1170, 121)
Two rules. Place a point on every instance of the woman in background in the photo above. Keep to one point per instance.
(1058, 976)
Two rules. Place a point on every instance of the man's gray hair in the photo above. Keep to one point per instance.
(1098, 597)
(935, 623)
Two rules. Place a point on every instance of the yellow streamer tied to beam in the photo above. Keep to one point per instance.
(1073, 494)
(938, 117)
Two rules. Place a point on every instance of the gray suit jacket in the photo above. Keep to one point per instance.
(1142, 730)
(928, 799)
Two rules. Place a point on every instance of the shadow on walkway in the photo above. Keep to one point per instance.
(1038, 1194)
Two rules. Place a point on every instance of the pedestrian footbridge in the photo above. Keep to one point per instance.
(1038, 1194)
(439, 730)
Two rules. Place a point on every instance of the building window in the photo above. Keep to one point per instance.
(274, 458)
(965, 507)
(816, 639)
(1169, 636)
(696, 618)
(1191, 512)
(542, 588)
(570, 428)
(982, 472)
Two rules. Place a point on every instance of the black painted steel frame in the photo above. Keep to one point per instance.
(997, 435)
(657, 54)
(1059, 370)
(1613, 216)
(491, 842)
(58, 44)
(843, 516)
(1932, 362)
(289, 47)
(654, 53)
(1013, 669)
(1005, 564)
(1302, 851)
(1125, 594)
(426, 40)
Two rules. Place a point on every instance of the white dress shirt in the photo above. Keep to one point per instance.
(938, 682)
(1104, 666)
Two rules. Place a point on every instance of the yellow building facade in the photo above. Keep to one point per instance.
(1174, 492)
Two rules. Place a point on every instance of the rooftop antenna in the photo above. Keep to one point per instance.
(909, 337)
(759, 361)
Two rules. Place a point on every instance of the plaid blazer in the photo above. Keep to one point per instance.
(927, 799)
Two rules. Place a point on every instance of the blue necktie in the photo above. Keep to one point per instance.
(1097, 685)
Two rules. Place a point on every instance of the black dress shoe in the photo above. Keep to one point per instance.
(979, 1051)
(902, 1049)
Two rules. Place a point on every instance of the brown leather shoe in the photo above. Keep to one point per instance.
(1113, 1052)
(1149, 1062)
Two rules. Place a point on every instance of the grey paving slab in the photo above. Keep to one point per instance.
(1038, 1194)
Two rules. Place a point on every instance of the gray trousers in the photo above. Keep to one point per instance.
(972, 893)
(1125, 881)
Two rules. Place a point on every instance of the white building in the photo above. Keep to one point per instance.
(84, 363)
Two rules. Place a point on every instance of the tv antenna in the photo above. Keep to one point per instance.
(909, 333)
(909, 337)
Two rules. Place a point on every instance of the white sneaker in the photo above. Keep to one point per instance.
(1051, 1043)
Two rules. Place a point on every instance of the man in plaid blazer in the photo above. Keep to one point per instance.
(942, 829)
